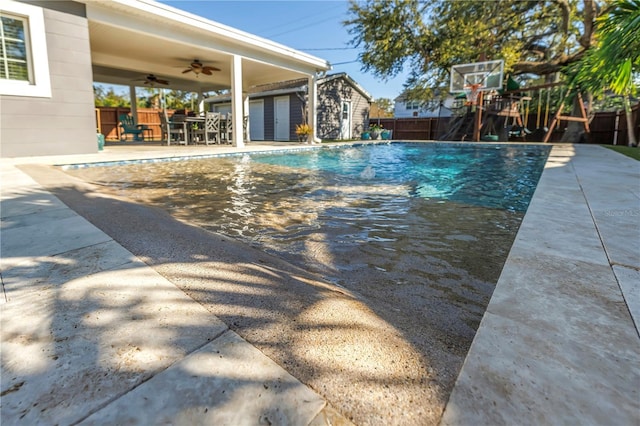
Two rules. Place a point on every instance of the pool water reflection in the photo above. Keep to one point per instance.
(419, 229)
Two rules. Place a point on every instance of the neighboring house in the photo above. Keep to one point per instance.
(275, 109)
(58, 49)
(405, 108)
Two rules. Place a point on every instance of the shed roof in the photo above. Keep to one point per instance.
(292, 86)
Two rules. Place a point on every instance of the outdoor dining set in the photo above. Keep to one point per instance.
(185, 129)
(210, 128)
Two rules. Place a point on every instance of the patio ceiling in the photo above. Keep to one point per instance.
(131, 39)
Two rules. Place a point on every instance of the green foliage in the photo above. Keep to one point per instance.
(179, 99)
(616, 58)
(109, 98)
(533, 37)
(147, 97)
(381, 108)
(612, 63)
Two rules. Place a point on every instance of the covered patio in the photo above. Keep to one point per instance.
(140, 43)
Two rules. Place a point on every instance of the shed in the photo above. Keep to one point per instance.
(275, 109)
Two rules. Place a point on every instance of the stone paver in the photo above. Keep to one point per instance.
(91, 334)
(558, 343)
(227, 382)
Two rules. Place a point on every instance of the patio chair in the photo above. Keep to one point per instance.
(129, 127)
(229, 132)
(212, 127)
(210, 132)
(175, 129)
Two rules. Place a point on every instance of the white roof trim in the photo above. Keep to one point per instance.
(302, 88)
(233, 36)
(227, 98)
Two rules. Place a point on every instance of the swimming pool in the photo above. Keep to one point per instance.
(421, 229)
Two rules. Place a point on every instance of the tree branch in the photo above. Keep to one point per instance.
(546, 67)
(565, 10)
(588, 20)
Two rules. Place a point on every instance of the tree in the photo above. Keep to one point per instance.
(109, 98)
(615, 59)
(381, 108)
(533, 37)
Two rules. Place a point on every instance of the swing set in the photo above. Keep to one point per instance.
(494, 114)
(545, 105)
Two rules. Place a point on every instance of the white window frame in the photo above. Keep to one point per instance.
(39, 85)
(412, 105)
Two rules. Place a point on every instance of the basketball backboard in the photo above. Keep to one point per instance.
(484, 75)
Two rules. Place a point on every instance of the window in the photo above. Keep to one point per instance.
(412, 105)
(345, 110)
(24, 62)
(13, 49)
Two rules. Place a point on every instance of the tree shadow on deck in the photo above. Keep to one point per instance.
(352, 351)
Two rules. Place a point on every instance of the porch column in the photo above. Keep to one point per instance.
(201, 105)
(236, 101)
(312, 107)
(245, 107)
(134, 103)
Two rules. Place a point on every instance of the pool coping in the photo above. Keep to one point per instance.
(517, 384)
(559, 342)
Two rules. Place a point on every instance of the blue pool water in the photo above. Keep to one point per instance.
(421, 230)
(497, 176)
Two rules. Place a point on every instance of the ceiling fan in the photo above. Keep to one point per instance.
(151, 80)
(199, 68)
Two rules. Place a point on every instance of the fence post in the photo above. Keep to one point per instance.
(615, 128)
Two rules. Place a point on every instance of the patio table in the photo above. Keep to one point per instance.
(195, 125)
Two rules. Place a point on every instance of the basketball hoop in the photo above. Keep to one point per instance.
(471, 91)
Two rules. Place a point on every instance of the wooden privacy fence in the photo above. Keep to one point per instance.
(611, 127)
(107, 121)
(606, 127)
(414, 128)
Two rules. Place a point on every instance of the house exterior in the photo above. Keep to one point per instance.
(276, 109)
(407, 108)
(51, 111)
(60, 48)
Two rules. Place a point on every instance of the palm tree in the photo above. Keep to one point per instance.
(616, 57)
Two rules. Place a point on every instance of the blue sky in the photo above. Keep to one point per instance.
(314, 27)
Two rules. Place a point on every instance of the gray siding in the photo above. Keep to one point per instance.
(269, 119)
(330, 108)
(360, 107)
(295, 116)
(64, 123)
(297, 112)
(330, 97)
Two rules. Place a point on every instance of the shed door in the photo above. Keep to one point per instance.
(222, 108)
(282, 118)
(256, 120)
(345, 120)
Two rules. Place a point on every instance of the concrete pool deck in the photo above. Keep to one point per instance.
(81, 343)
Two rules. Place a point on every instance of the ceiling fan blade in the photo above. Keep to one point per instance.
(187, 70)
(206, 71)
(208, 68)
(165, 82)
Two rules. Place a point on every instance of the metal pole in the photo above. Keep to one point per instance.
(478, 121)
(616, 129)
